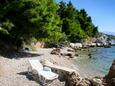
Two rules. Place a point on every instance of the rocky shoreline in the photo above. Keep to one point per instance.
(13, 72)
(74, 80)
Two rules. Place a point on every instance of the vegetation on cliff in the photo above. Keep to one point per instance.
(24, 20)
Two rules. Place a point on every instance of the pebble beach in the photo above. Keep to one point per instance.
(13, 72)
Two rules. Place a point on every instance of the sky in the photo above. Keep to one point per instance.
(102, 12)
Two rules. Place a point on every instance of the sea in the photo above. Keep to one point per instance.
(98, 63)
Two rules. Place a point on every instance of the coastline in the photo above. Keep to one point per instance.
(99, 62)
(16, 69)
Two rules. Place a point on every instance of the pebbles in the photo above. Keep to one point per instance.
(13, 72)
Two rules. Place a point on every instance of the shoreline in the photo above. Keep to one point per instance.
(15, 69)
(92, 70)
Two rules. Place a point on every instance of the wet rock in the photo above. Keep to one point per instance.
(90, 56)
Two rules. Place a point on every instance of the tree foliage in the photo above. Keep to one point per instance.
(77, 25)
(23, 20)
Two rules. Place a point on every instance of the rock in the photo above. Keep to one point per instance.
(111, 73)
(110, 77)
(112, 70)
(72, 79)
(90, 56)
(76, 80)
(99, 45)
(71, 55)
(92, 45)
(40, 45)
(112, 82)
(85, 82)
(70, 50)
(76, 45)
(72, 45)
(96, 82)
(59, 46)
(56, 51)
(76, 54)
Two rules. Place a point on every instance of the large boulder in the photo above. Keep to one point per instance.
(111, 73)
(72, 79)
(110, 77)
(112, 82)
(76, 45)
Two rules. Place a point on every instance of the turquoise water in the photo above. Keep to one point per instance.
(100, 62)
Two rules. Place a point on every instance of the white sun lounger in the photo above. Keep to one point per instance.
(45, 74)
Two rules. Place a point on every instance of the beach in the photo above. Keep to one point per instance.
(13, 72)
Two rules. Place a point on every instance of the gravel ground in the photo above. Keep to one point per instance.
(13, 72)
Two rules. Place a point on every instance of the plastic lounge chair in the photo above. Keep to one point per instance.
(45, 74)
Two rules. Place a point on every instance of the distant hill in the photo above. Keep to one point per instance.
(109, 33)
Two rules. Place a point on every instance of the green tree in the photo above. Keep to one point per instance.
(70, 26)
(86, 23)
(25, 19)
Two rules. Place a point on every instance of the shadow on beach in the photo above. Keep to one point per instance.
(11, 53)
(27, 75)
(33, 78)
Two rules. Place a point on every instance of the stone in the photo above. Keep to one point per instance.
(76, 54)
(111, 73)
(110, 77)
(72, 79)
(112, 82)
(56, 51)
(70, 50)
(40, 45)
(69, 54)
(85, 82)
(76, 45)
(96, 82)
